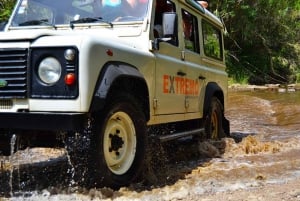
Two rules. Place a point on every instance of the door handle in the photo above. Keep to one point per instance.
(180, 73)
(201, 77)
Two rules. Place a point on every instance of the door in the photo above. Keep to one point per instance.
(196, 74)
(170, 70)
(170, 75)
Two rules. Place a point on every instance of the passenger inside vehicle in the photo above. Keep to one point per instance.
(187, 25)
(115, 10)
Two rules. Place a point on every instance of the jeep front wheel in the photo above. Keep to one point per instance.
(120, 143)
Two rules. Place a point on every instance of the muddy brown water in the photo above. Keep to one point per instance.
(264, 148)
(272, 114)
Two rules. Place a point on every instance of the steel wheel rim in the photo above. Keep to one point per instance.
(119, 144)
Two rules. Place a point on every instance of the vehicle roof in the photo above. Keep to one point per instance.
(196, 6)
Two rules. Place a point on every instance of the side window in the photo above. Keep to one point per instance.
(162, 6)
(212, 41)
(190, 31)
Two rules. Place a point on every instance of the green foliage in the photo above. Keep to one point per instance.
(6, 7)
(262, 38)
(212, 46)
(298, 78)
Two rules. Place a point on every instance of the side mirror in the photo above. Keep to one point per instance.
(169, 30)
(169, 27)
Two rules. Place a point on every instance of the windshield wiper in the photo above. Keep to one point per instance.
(36, 22)
(89, 20)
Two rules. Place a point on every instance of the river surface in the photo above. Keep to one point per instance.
(264, 148)
(272, 114)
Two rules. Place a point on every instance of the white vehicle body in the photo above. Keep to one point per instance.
(73, 61)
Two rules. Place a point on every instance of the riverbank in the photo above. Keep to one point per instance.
(267, 87)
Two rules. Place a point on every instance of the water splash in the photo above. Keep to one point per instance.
(77, 146)
(72, 169)
(12, 150)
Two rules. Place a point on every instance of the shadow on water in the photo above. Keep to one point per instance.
(174, 160)
(20, 179)
(168, 163)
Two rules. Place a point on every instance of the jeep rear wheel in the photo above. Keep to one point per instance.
(120, 143)
(213, 122)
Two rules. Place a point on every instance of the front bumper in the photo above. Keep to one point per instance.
(43, 121)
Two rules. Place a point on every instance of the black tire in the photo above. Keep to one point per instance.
(214, 119)
(120, 143)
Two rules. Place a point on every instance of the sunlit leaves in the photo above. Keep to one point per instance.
(6, 7)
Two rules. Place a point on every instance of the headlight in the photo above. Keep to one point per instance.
(49, 70)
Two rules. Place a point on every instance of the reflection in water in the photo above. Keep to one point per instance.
(272, 114)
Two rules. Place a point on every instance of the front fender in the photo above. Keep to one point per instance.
(212, 89)
(110, 73)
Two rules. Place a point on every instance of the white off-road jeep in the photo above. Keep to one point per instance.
(108, 75)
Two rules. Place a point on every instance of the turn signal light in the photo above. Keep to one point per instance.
(70, 79)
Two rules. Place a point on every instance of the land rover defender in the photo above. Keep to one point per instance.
(106, 75)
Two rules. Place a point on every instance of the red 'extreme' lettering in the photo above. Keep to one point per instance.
(180, 86)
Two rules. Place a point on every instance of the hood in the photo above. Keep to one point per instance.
(33, 34)
(24, 35)
(116, 34)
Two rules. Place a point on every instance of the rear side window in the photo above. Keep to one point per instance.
(212, 41)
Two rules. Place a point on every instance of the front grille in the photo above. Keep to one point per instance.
(13, 73)
(6, 104)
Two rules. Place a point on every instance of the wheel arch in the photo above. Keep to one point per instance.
(212, 89)
(116, 77)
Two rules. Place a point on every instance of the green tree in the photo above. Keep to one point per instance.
(6, 7)
(262, 39)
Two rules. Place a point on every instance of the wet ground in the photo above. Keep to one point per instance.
(256, 163)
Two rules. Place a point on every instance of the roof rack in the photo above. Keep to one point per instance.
(199, 5)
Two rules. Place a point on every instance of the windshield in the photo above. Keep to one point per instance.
(58, 12)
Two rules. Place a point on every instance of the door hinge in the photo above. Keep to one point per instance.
(187, 102)
(155, 103)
